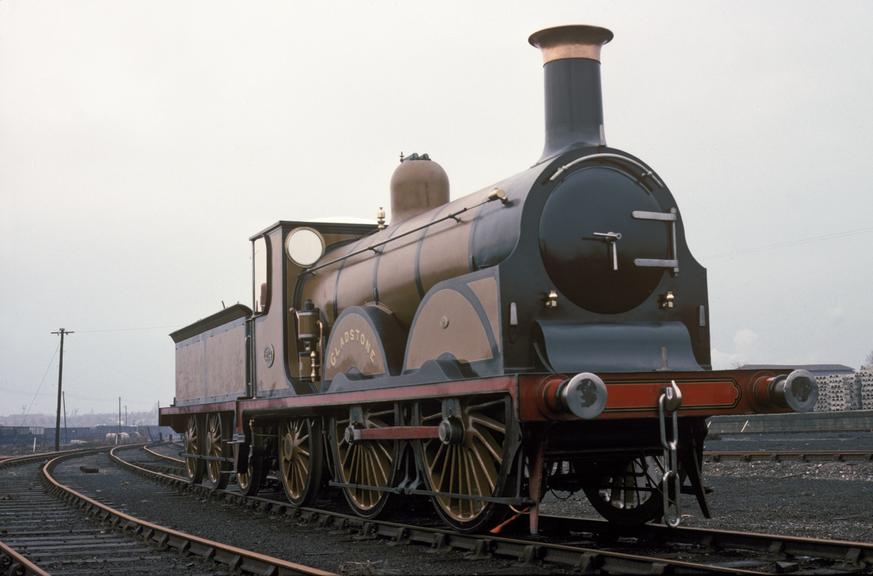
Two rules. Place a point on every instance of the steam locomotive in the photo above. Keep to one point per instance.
(549, 332)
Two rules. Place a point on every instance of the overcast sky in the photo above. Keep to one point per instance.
(142, 143)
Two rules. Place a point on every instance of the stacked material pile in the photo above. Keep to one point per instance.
(823, 403)
(839, 398)
(831, 393)
(865, 380)
(852, 384)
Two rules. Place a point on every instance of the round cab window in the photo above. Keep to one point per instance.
(304, 246)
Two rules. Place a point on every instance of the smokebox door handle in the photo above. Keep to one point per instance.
(611, 238)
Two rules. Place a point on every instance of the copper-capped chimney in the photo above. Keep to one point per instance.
(574, 101)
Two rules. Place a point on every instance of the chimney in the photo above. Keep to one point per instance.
(574, 102)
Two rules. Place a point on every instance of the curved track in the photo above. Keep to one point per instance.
(161, 456)
(42, 530)
(718, 551)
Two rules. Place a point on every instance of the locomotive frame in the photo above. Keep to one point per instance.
(534, 335)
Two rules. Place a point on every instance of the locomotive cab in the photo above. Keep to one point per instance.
(286, 346)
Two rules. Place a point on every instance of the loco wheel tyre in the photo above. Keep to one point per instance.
(300, 459)
(365, 463)
(217, 471)
(627, 492)
(475, 460)
(194, 467)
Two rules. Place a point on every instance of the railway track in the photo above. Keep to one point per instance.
(790, 455)
(48, 527)
(577, 542)
(725, 455)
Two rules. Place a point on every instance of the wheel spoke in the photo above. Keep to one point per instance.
(627, 492)
(484, 405)
(192, 446)
(380, 474)
(374, 469)
(454, 457)
(471, 480)
(488, 471)
(432, 417)
(382, 447)
(346, 455)
(488, 422)
(476, 466)
(214, 448)
(491, 445)
(301, 473)
(366, 462)
(297, 444)
(436, 458)
(462, 490)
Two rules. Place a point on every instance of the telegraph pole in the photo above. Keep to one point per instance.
(66, 434)
(61, 332)
(118, 433)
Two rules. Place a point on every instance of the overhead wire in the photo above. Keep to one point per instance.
(794, 242)
(137, 329)
(41, 382)
(93, 331)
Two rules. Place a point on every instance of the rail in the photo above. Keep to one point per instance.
(237, 559)
(25, 458)
(477, 545)
(156, 454)
(12, 562)
(859, 553)
(790, 455)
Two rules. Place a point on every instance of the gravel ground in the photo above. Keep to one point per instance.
(825, 500)
(325, 548)
(818, 499)
(64, 540)
(822, 500)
